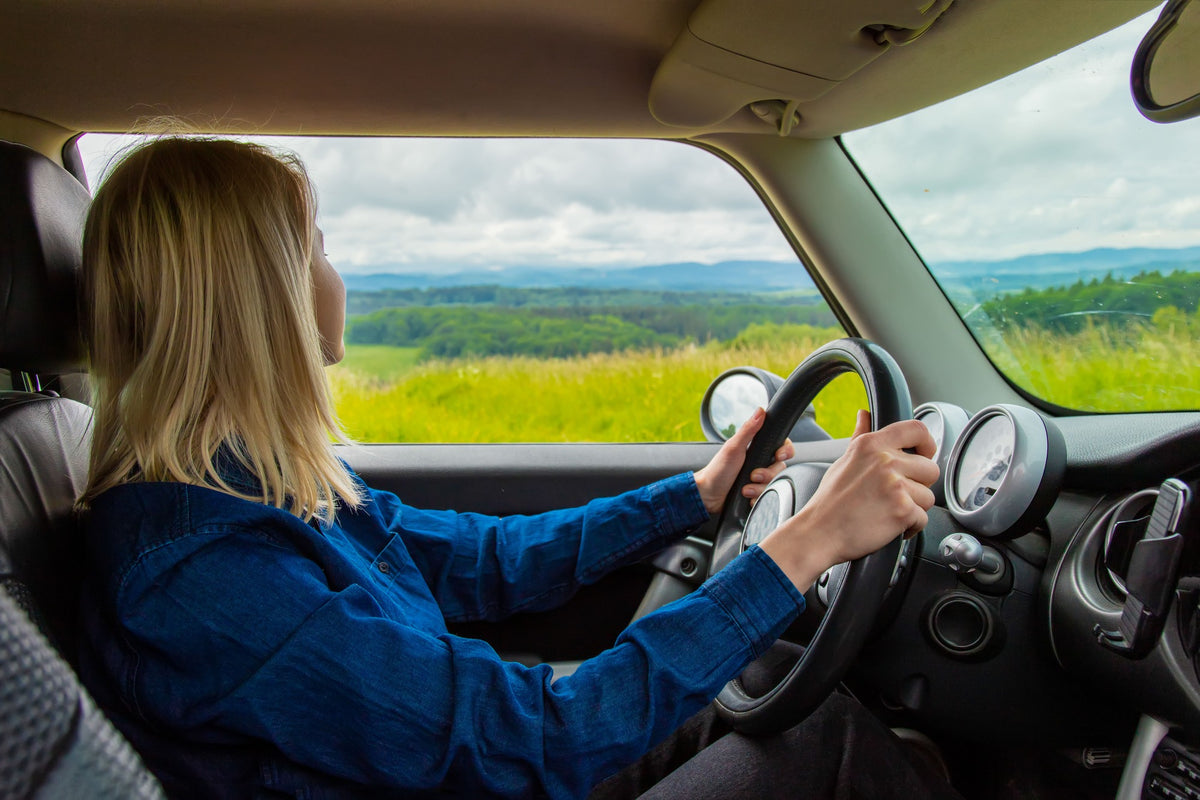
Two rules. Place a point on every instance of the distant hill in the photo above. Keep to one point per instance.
(985, 278)
(981, 278)
(736, 276)
(1100, 259)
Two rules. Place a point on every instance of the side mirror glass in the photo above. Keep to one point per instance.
(733, 396)
(1165, 76)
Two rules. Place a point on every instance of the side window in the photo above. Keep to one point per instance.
(550, 290)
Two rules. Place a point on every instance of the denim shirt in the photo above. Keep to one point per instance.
(247, 653)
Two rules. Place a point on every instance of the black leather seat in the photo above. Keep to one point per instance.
(53, 741)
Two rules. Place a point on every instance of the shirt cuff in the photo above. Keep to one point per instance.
(677, 500)
(757, 596)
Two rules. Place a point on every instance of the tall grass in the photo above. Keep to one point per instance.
(1137, 367)
(620, 397)
(380, 364)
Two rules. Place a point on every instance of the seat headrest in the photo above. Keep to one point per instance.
(42, 212)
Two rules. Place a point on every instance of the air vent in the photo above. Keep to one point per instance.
(1125, 528)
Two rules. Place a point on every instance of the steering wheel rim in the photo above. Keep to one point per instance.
(846, 625)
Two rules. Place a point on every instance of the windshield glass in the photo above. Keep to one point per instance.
(1063, 226)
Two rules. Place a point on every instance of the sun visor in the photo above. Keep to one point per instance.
(776, 54)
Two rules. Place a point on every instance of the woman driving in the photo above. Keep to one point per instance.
(260, 622)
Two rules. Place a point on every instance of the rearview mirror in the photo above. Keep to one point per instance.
(1165, 77)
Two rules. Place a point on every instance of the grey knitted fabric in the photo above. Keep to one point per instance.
(54, 743)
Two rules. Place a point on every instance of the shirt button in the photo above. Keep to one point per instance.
(385, 567)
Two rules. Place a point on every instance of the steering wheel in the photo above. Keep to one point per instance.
(798, 686)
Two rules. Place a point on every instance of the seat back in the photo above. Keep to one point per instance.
(43, 444)
(53, 741)
(43, 456)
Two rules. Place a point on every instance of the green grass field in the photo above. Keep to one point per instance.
(384, 395)
(1102, 368)
(379, 363)
(621, 397)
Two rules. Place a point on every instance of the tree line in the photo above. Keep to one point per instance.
(1113, 301)
(365, 302)
(561, 331)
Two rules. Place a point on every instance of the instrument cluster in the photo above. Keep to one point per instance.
(1001, 468)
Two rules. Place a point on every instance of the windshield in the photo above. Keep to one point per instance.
(1063, 226)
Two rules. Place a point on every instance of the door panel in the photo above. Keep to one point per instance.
(507, 479)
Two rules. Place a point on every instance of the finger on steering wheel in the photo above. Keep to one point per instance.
(761, 477)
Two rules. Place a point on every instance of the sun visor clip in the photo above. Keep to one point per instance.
(889, 35)
(784, 115)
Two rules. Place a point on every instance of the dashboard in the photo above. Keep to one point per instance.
(1114, 574)
(1054, 596)
(1036, 677)
(1092, 522)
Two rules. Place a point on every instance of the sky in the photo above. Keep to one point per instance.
(1053, 159)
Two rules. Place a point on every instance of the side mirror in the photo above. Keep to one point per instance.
(733, 396)
(1165, 76)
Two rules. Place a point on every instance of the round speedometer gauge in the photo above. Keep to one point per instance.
(983, 465)
(1005, 471)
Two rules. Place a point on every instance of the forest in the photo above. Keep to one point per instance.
(559, 323)
(563, 322)
(1069, 309)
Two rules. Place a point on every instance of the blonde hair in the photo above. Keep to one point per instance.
(203, 342)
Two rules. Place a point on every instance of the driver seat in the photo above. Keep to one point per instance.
(53, 740)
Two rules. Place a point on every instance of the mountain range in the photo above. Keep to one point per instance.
(991, 277)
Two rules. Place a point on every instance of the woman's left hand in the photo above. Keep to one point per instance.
(716, 479)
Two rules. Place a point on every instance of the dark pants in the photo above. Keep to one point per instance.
(841, 752)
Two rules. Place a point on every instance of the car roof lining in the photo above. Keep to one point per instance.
(523, 68)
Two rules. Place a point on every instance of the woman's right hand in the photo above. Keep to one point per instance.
(875, 492)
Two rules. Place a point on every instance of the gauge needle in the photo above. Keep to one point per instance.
(979, 478)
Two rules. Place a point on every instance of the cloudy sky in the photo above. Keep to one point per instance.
(1053, 159)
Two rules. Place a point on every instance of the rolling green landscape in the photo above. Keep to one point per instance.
(640, 395)
(484, 364)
